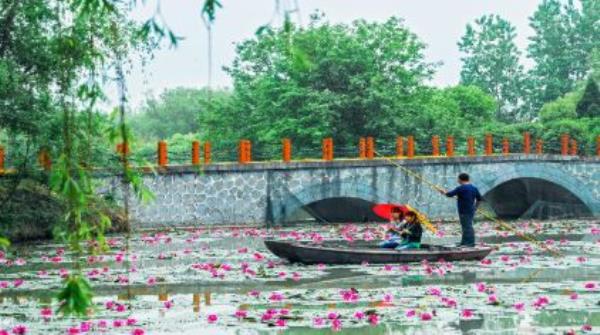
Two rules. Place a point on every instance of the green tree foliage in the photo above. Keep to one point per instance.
(337, 80)
(561, 108)
(570, 114)
(589, 104)
(27, 59)
(491, 62)
(565, 37)
(178, 110)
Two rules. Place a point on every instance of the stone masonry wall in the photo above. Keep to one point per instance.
(262, 193)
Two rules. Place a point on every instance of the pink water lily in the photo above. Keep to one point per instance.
(267, 316)
(574, 296)
(425, 316)
(317, 239)
(18, 282)
(332, 315)
(138, 331)
(19, 330)
(63, 273)
(434, 291)
(519, 306)
(586, 328)
(85, 326)
(280, 323)
(318, 321)
(350, 295)
(590, 286)
(276, 296)
(46, 313)
(241, 314)
(373, 319)
(109, 304)
(449, 302)
(466, 313)
(359, 315)
(541, 302)
(336, 325)
(410, 313)
(212, 318)
(258, 256)
(254, 293)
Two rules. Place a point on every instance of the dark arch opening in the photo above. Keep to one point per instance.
(534, 198)
(336, 210)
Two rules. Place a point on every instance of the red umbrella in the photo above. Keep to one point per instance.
(385, 210)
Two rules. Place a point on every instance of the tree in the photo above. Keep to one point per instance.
(491, 62)
(565, 37)
(178, 110)
(589, 104)
(337, 80)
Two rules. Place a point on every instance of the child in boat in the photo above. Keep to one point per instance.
(393, 233)
(411, 232)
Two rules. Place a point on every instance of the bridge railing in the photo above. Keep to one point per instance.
(366, 148)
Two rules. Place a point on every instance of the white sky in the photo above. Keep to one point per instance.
(439, 23)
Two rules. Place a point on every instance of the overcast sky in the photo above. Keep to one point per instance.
(439, 23)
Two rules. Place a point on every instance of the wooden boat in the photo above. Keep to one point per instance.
(342, 252)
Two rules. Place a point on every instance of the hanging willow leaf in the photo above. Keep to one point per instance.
(75, 297)
(210, 8)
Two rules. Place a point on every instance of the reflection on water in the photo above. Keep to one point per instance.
(230, 276)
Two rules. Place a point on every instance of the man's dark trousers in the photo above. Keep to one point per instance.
(468, 234)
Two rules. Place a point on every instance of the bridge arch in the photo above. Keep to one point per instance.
(290, 202)
(525, 183)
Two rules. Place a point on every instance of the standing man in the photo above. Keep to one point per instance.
(468, 198)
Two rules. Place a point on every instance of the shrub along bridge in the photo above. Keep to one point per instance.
(527, 183)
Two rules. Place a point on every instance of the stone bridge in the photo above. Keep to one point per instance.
(343, 190)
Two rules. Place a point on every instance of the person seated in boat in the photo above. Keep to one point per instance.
(393, 238)
(410, 232)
